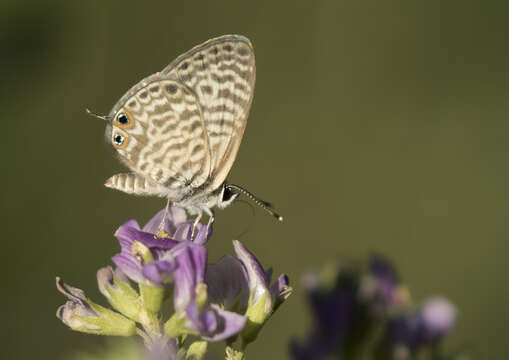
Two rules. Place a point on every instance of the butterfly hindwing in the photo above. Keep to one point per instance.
(164, 136)
(221, 72)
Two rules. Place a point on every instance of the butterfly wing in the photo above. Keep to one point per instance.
(221, 72)
(159, 132)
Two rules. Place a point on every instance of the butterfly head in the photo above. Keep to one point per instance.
(226, 197)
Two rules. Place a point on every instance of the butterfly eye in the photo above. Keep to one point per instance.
(119, 141)
(123, 120)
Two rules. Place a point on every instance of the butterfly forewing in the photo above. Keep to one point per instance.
(221, 72)
(167, 140)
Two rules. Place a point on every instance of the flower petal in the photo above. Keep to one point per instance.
(213, 323)
(159, 272)
(176, 215)
(229, 324)
(130, 266)
(280, 290)
(226, 281)
(258, 284)
(183, 231)
(438, 316)
(203, 233)
(191, 265)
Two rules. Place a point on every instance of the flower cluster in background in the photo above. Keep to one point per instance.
(166, 260)
(367, 313)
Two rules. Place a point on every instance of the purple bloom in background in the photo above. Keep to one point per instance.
(347, 305)
(406, 334)
(386, 276)
(438, 316)
(176, 229)
(381, 288)
(334, 311)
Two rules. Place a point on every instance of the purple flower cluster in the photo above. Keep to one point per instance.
(176, 231)
(349, 307)
(212, 302)
(408, 333)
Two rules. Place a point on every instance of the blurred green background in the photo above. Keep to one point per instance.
(376, 125)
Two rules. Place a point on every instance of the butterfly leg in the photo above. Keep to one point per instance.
(211, 220)
(195, 223)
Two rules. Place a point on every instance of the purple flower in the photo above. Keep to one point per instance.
(156, 266)
(381, 288)
(244, 286)
(334, 310)
(258, 281)
(227, 284)
(438, 316)
(408, 333)
(241, 283)
(164, 349)
(191, 299)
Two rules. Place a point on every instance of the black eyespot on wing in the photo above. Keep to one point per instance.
(123, 119)
(118, 139)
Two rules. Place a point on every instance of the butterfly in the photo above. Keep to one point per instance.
(179, 130)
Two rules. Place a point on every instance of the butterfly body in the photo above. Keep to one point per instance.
(179, 130)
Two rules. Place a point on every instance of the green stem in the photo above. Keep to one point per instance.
(151, 324)
(144, 336)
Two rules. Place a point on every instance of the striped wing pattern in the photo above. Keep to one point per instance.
(221, 72)
(136, 184)
(167, 142)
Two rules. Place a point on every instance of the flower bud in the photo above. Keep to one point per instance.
(119, 292)
(81, 314)
(264, 299)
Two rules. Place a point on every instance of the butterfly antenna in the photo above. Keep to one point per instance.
(102, 117)
(263, 204)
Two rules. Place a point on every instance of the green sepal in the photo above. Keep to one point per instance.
(174, 327)
(181, 354)
(125, 299)
(256, 316)
(152, 297)
(201, 296)
(139, 250)
(107, 323)
(197, 350)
